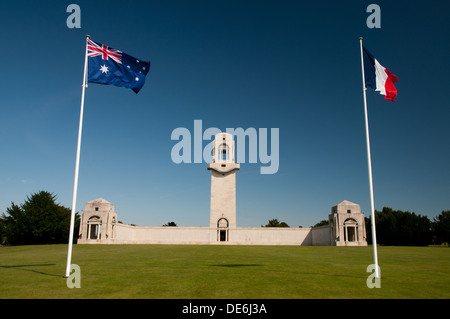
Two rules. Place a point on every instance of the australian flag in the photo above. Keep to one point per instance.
(113, 67)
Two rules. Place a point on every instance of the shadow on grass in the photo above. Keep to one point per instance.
(237, 265)
(21, 267)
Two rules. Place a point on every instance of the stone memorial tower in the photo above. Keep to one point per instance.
(223, 186)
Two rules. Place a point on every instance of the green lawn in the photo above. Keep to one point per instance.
(223, 272)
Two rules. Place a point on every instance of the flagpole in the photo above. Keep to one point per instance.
(77, 165)
(369, 164)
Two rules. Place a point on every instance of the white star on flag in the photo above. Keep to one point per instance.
(104, 69)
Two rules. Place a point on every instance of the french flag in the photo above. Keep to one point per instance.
(378, 77)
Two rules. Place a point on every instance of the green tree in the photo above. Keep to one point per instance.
(275, 223)
(170, 224)
(395, 227)
(39, 220)
(441, 228)
(321, 223)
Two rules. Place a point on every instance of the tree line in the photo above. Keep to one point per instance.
(403, 228)
(40, 220)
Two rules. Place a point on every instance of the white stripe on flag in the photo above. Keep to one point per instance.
(381, 77)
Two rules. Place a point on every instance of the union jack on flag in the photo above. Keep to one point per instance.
(113, 67)
(95, 49)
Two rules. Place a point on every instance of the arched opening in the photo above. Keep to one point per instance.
(224, 152)
(222, 229)
(94, 228)
(350, 230)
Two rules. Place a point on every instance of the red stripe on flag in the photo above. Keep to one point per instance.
(391, 91)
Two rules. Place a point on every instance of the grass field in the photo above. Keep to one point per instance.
(223, 272)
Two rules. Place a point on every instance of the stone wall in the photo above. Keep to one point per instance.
(127, 234)
(270, 236)
(321, 236)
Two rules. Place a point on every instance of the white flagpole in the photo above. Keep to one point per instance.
(77, 165)
(369, 164)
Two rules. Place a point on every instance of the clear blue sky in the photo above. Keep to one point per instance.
(264, 64)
